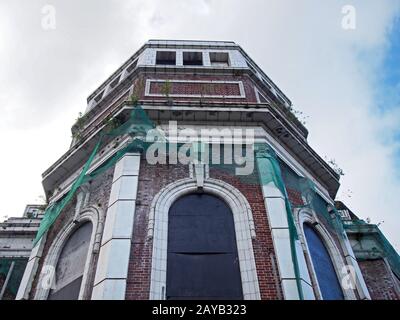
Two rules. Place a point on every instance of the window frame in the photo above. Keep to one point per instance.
(191, 54)
(164, 60)
(93, 215)
(308, 216)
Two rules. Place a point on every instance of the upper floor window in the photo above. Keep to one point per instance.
(166, 58)
(132, 66)
(192, 58)
(328, 281)
(220, 59)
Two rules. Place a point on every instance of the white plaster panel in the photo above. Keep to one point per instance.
(179, 57)
(110, 289)
(30, 270)
(301, 260)
(119, 220)
(237, 60)
(27, 279)
(148, 57)
(276, 210)
(289, 287)
(360, 282)
(113, 260)
(36, 251)
(125, 188)
(127, 166)
(308, 292)
(281, 239)
(271, 191)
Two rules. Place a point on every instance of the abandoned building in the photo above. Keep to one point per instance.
(16, 241)
(126, 221)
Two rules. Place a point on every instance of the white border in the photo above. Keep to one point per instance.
(244, 227)
(91, 214)
(149, 81)
(306, 215)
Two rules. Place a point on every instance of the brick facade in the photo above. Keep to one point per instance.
(225, 87)
(99, 192)
(152, 178)
(379, 279)
(196, 88)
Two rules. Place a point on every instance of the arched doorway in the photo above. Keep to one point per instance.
(202, 257)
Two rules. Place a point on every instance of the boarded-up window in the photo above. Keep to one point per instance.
(202, 261)
(323, 266)
(71, 265)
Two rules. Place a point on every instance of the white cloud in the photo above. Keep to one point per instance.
(328, 73)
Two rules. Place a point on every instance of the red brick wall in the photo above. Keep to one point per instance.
(152, 178)
(195, 88)
(264, 254)
(379, 281)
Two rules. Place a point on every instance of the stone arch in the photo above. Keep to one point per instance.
(308, 216)
(90, 214)
(244, 229)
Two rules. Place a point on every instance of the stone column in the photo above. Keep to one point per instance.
(351, 260)
(30, 270)
(277, 217)
(112, 266)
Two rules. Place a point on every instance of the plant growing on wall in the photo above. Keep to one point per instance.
(137, 90)
(111, 123)
(335, 166)
(166, 90)
(78, 126)
(205, 90)
(138, 87)
(299, 115)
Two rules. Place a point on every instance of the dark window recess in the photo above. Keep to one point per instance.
(71, 264)
(99, 96)
(115, 82)
(202, 254)
(324, 269)
(132, 66)
(192, 58)
(166, 58)
(219, 59)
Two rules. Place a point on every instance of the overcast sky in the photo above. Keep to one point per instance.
(347, 82)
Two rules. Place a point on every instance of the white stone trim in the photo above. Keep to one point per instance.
(91, 214)
(276, 213)
(244, 228)
(240, 83)
(30, 270)
(306, 215)
(258, 94)
(113, 262)
(294, 164)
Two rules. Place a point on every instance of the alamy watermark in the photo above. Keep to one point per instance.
(348, 277)
(349, 19)
(48, 21)
(207, 145)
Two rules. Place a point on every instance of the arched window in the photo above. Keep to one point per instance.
(202, 257)
(71, 265)
(325, 272)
